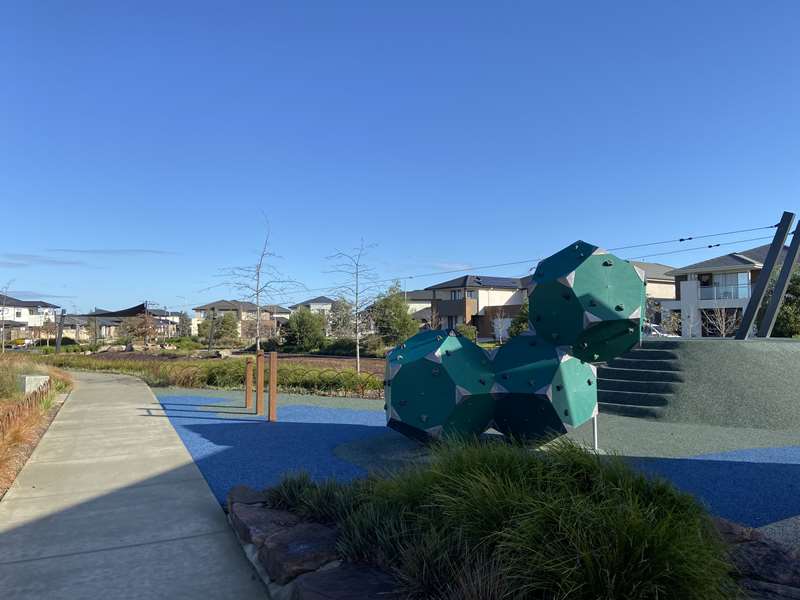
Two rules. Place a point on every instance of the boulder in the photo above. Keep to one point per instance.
(242, 494)
(767, 560)
(297, 550)
(734, 533)
(255, 524)
(345, 582)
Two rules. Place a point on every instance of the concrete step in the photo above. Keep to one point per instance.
(649, 387)
(633, 398)
(669, 344)
(651, 354)
(645, 364)
(616, 372)
(624, 410)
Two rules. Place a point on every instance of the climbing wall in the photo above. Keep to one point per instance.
(586, 306)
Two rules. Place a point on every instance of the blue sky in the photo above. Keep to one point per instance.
(140, 143)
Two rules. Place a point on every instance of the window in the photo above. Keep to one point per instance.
(456, 294)
(451, 322)
(472, 294)
(18, 314)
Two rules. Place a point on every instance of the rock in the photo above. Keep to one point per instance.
(761, 590)
(297, 550)
(734, 533)
(345, 582)
(254, 524)
(767, 560)
(245, 495)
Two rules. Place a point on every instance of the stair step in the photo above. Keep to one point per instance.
(633, 398)
(645, 364)
(647, 412)
(628, 385)
(638, 374)
(671, 344)
(651, 354)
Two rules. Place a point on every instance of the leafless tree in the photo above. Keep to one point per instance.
(6, 287)
(359, 287)
(500, 324)
(259, 282)
(724, 321)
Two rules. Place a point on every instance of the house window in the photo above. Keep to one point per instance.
(18, 314)
(456, 294)
(472, 294)
(451, 322)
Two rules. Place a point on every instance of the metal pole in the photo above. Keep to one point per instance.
(595, 437)
(260, 383)
(768, 322)
(60, 330)
(761, 284)
(273, 386)
(248, 384)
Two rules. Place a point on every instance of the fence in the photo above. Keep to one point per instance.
(14, 412)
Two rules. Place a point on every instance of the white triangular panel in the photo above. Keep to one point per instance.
(637, 314)
(546, 391)
(394, 367)
(640, 273)
(599, 251)
(568, 280)
(490, 354)
(563, 353)
(498, 389)
(434, 356)
(590, 319)
(461, 393)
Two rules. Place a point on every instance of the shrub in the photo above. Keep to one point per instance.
(468, 331)
(496, 520)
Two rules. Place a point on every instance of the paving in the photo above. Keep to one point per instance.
(746, 474)
(111, 505)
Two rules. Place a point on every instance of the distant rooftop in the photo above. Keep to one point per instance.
(478, 281)
(317, 300)
(655, 271)
(746, 259)
(9, 301)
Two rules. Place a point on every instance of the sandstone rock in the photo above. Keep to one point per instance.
(297, 550)
(254, 524)
(242, 494)
(734, 533)
(761, 590)
(345, 582)
(767, 560)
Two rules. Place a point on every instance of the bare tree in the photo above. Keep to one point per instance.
(6, 287)
(259, 282)
(359, 288)
(500, 324)
(723, 321)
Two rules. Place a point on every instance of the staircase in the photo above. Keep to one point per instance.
(642, 382)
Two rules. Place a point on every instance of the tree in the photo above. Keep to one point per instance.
(217, 328)
(340, 318)
(787, 323)
(520, 322)
(391, 317)
(721, 321)
(500, 325)
(305, 329)
(359, 287)
(258, 283)
(141, 327)
(184, 325)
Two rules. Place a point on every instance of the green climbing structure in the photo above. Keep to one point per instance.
(585, 306)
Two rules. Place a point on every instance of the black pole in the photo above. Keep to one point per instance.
(60, 330)
(761, 284)
(768, 322)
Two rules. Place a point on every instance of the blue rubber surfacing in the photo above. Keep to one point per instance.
(751, 486)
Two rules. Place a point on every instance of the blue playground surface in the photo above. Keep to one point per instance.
(753, 486)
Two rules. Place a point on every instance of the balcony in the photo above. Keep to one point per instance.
(724, 292)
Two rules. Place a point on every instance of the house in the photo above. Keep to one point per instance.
(27, 319)
(419, 305)
(715, 289)
(245, 315)
(489, 303)
(320, 304)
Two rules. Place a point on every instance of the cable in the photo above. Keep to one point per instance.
(769, 237)
(690, 238)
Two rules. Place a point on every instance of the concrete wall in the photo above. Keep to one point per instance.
(655, 289)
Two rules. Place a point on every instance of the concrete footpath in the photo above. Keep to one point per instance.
(111, 506)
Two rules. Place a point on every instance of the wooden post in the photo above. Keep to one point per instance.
(248, 384)
(273, 386)
(260, 383)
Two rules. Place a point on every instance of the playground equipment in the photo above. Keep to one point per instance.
(585, 306)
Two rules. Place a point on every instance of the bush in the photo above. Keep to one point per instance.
(468, 331)
(495, 521)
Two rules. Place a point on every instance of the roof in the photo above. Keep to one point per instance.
(317, 300)
(13, 323)
(746, 259)
(655, 271)
(9, 301)
(276, 310)
(486, 281)
(419, 295)
(228, 305)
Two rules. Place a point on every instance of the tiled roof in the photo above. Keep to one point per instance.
(317, 300)
(746, 259)
(486, 281)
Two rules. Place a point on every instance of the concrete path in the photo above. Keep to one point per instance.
(111, 506)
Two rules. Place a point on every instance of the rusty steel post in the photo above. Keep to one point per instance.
(260, 383)
(248, 384)
(273, 386)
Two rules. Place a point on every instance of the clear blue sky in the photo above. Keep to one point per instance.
(146, 138)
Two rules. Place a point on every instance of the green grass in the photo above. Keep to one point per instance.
(491, 521)
(225, 373)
